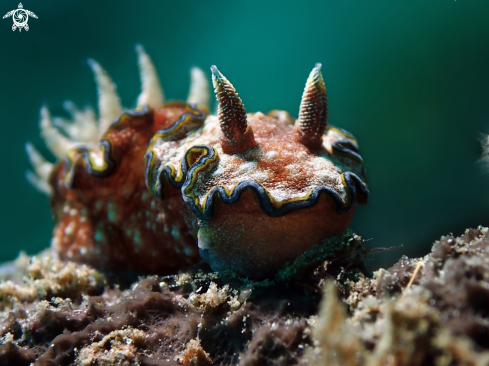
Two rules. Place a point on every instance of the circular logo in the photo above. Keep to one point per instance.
(20, 18)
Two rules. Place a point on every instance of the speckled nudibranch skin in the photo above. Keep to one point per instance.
(167, 184)
(106, 215)
(254, 211)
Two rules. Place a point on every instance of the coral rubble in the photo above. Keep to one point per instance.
(422, 311)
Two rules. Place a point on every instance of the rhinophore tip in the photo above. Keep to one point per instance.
(237, 137)
(312, 120)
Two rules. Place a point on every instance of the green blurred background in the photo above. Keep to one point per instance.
(410, 79)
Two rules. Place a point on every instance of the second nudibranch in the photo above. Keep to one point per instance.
(166, 182)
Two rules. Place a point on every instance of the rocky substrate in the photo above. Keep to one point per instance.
(325, 308)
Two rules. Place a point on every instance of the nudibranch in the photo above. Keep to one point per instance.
(157, 188)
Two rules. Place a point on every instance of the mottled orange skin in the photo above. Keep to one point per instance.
(115, 222)
(241, 236)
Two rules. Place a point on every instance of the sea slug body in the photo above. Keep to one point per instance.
(152, 188)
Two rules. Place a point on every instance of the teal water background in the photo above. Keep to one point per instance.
(410, 79)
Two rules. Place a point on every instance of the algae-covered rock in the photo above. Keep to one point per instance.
(423, 311)
(321, 309)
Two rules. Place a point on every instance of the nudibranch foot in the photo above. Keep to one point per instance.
(244, 238)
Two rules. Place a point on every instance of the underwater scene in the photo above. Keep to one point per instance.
(244, 183)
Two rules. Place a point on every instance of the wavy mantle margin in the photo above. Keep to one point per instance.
(356, 189)
(193, 118)
(105, 145)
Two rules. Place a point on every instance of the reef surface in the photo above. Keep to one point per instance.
(325, 308)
